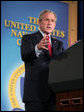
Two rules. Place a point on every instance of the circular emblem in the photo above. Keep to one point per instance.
(12, 88)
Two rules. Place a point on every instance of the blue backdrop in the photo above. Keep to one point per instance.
(15, 21)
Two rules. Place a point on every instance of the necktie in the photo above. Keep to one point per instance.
(49, 46)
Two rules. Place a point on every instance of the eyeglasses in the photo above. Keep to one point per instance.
(47, 20)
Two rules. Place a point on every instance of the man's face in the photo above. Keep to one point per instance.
(48, 23)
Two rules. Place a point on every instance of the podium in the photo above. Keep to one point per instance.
(66, 78)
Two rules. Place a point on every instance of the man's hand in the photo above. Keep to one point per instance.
(43, 43)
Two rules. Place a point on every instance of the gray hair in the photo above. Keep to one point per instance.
(45, 11)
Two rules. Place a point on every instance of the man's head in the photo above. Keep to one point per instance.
(47, 21)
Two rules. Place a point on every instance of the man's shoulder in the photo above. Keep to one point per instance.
(30, 35)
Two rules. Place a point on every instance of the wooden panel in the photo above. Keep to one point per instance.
(72, 29)
(70, 101)
(72, 32)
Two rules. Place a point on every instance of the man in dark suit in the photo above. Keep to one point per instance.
(37, 50)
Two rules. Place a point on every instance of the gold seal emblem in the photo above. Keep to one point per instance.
(12, 85)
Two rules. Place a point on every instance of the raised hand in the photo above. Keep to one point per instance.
(43, 43)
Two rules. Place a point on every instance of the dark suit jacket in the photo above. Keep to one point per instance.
(36, 86)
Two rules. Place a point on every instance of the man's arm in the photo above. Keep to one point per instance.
(37, 51)
(27, 48)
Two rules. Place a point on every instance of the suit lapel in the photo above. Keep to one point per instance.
(54, 45)
(39, 38)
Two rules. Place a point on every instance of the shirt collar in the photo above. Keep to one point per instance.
(43, 33)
